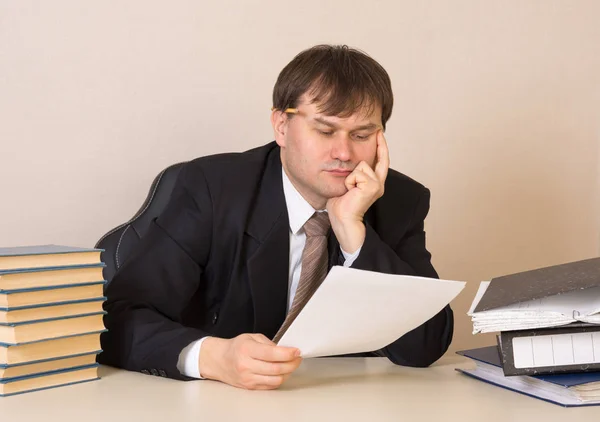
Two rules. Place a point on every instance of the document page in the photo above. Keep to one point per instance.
(357, 311)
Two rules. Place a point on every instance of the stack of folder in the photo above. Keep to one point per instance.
(549, 332)
(51, 317)
(567, 389)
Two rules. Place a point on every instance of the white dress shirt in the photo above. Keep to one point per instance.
(299, 211)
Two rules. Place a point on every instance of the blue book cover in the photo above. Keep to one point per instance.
(40, 269)
(35, 321)
(4, 365)
(46, 373)
(42, 374)
(49, 388)
(53, 338)
(44, 250)
(5, 382)
(490, 355)
(43, 305)
(62, 286)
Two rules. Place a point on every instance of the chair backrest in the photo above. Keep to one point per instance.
(119, 242)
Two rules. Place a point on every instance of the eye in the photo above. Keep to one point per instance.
(325, 133)
(361, 137)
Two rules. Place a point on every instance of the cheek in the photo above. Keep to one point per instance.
(309, 150)
(366, 152)
(300, 155)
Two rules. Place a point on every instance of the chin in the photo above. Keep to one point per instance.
(334, 191)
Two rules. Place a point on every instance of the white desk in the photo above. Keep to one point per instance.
(334, 389)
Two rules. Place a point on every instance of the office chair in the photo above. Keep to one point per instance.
(119, 242)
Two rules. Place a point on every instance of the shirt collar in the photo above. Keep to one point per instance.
(299, 210)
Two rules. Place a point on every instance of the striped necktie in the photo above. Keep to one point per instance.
(314, 266)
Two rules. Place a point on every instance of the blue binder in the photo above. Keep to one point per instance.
(490, 355)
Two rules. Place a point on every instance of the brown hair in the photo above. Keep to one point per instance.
(340, 79)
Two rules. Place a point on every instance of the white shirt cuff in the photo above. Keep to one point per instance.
(188, 363)
(350, 258)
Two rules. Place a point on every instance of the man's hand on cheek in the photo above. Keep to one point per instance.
(365, 185)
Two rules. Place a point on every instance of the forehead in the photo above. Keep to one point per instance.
(364, 115)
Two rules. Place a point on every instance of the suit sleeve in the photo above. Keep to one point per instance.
(147, 296)
(428, 342)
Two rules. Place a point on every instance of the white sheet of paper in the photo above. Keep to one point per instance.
(357, 311)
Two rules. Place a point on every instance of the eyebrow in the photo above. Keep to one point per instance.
(333, 125)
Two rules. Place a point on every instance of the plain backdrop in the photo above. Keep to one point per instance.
(496, 111)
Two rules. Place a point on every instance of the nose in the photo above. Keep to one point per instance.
(341, 148)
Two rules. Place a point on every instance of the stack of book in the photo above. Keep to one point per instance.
(548, 322)
(51, 317)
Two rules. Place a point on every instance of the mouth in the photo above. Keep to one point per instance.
(339, 172)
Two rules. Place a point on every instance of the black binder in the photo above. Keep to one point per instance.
(505, 343)
(540, 283)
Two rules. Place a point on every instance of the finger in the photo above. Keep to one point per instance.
(366, 169)
(270, 353)
(261, 338)
(359, 176)
(354, 178)
(383, 157)
(260, 367)
(264, 382)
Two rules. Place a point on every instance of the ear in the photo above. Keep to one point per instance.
(279, 121)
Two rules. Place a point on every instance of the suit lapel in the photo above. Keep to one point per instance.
(268, 265)
(333, 247)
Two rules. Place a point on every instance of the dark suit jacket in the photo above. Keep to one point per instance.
(215, 262)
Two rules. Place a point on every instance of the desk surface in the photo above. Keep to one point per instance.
(348, 389)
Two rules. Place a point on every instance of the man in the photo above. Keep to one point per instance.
(246, 238)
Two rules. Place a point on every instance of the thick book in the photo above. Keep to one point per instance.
(42, 351)
(567, 390)
(572, 348)
(43, 382)
(50, 277)
(38, 331)
(14, 372)
(546, 297)
(49, 312)
(24, 257)
(20, 299)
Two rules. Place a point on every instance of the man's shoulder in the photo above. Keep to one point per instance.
(233, 170)
(232, 162)
(229, 181)
(395, 211)
(399, 185)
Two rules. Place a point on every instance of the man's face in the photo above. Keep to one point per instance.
(318, 152)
